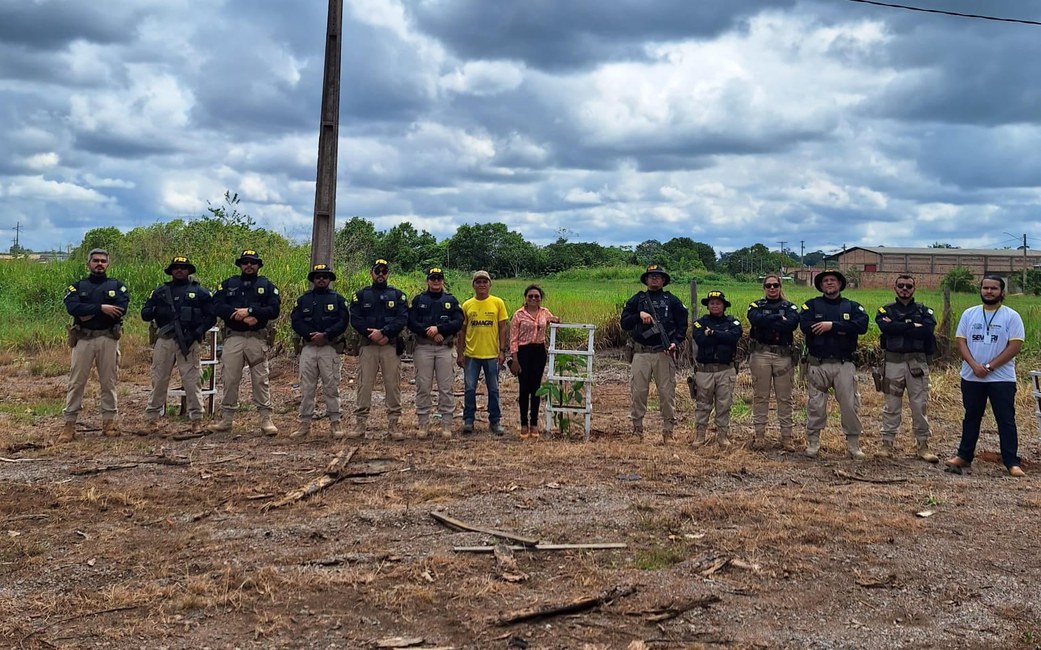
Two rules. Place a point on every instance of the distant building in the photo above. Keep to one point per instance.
(879, 266)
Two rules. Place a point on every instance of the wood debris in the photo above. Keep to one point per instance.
(544, 547)
(888, 582)
(460, 525)
(399, 642)
(672, 610)
(19, 460)
(605, 597)
(333, 474)
(506, 565)
(863, 479)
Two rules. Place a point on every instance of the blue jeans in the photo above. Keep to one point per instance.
(471, 373)
(1002, 396)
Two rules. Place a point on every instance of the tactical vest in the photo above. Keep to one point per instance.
(98, 294)
(768, 336)
(907, 344)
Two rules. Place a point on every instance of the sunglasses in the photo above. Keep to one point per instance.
(901, 285)
(249, 263)
(381, 271)
(180, 266)
(534, 296)
(772, 285)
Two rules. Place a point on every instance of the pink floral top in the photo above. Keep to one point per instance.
(528, 328)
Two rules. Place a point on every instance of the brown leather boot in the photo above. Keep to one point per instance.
(424, 429)
(336, 430)
(853, 448)
(267, 427)
(224, 424)
(813, 445)
(888, 450)
(302, 430)
(924, 453)
(196, 427)
(68, 432)
(109, 428)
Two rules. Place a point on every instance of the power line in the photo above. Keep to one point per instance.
(949, 13)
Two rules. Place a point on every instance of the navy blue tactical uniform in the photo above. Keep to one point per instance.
(907, 329)
(773, 323)
(440, 309)
(770, 361)
(189, 302)
(85, 298)
(908, 338)
(384, 308)
(320, 310)
(716, 338)
(669, 311)
(720, 347)
(254, 292)
(849, 321)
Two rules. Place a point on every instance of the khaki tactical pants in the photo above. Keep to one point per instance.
(843, 378)
(166, 355)
(240, 351)
(898, 378)
(661, 367)
(384, 359)
(776, 370)
(715, 391)
(434, 362)
(102, 351)
(320, 362)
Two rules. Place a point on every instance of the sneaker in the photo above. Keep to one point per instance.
(468, 427)
(496, 429)
(1016, 471)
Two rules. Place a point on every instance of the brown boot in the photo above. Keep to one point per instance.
(786, 441)
(924, 453)
(68, 432)
(224, 424)
(666, 436)
(393, 431)
(813, 445)
(336, 430)
(853, 448)
(759, 442)
(888, 450)
(446, 428)
(358, 431)
(722, 440)
(109, 428)
(424, 429)
(302, 430)
(267, 427)
(196, 427)
(699, 438)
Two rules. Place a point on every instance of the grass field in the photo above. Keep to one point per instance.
(34, 316)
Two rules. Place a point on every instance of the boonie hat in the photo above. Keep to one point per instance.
(482, 274)
(321, 269)
(716, 295)
(435, 272)
(655, 268)
(179, 260)
(819, 278)
(249, 255)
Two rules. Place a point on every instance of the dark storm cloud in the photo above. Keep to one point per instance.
(553, 35)
(50, 24)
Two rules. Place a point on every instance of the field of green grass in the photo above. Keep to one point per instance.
(33, 315)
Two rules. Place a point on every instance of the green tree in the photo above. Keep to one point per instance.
(355, 242)
(685, 254)
(406, 248)
(960, 280)
(108, 237)
(493, 247)
(754, 260)
(649, 252)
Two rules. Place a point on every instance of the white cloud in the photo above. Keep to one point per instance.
(484, 78)
(41, 189)
(42, 161)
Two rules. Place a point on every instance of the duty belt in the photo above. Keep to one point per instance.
(903, 357)
(422, 340)
(640, 347)
(93, 334)
(775, 349)
(714, 367)
(248, 334)
(816, 361)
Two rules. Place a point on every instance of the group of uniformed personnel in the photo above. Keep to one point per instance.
(831, 325)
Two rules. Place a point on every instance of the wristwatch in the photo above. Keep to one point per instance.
(987, 367)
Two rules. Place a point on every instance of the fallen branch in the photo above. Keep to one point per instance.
(99, 612)
(671, 611)
(460, 525)
(853, 477)
(88, 471)
(221, 461)
(190, 436)
(333, 474)
(19, 460)
(573, 607)
(167, 460)
(543, 547)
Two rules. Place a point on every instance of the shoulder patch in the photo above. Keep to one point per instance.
(72, 289)
(697, 324)
(753, 305)
(805, 307)
(275, 291)
(220, 286)
(881, 310)
(929, 311)
(737, 322)
(354, 298)
(123, 288)
(860, 307)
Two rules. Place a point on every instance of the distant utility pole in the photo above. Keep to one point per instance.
(802, 252)
(782, 243)
(18, 229)
(324, 226)
(1023, 287)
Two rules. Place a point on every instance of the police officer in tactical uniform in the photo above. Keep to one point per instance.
(716, 335)
(246, 303)
(435, 317)
(320, 319)
(908, 338)
(182, 310)
(379, 312)
(771, 361)
(831, 325)
(657, 322)
(97, 304)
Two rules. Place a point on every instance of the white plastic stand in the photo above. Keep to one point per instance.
(207, 359)
(586, 378)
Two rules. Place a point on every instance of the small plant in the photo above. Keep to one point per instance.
(565, 393)
(933, 501)
(658, 558)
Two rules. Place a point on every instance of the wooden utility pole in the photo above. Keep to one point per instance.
(324, 225)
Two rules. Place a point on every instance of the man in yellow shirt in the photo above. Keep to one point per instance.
(481, 345)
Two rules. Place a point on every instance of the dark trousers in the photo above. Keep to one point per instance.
(1002, 396)
(532, 360)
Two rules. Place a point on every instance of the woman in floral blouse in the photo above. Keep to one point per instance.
(528, 349)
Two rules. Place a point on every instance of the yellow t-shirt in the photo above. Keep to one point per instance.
(482, 318)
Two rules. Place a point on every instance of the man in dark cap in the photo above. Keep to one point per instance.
(246, 303)
(182, 311)
(319, 320)
(716, 335)
(435, 317)
(97, 304)
(379, 312)
(657, 322)
(831, 325)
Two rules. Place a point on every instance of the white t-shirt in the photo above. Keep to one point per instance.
(987, 333)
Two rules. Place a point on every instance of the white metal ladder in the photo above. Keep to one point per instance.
(586, 378)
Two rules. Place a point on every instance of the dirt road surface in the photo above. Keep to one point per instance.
(162, 543)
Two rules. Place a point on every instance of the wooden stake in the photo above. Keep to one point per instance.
(333, 474)
(460, 525)
(572, 607)
(543, 547)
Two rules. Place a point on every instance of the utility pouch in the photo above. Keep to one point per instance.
(298, 344)
(117, 331)
(917, 372)
(73, 335)
(876, 377)
(399, 345)
(339, 344)
(629, 351)
(153, 333)
(692, 386)
(269, 334)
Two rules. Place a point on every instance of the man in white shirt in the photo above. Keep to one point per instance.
(989, 338)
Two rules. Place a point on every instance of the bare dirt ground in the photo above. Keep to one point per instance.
(733, 548)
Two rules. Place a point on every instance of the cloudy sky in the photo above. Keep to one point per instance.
(828, 122)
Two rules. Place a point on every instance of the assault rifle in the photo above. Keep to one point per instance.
(175, 325)
(656, 326)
